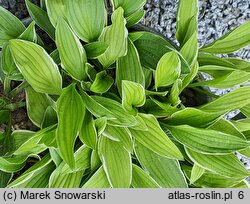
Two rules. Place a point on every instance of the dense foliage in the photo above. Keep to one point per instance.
(117, 107)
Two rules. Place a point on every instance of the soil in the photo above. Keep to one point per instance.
(20, 119)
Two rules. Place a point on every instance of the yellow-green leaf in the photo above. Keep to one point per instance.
(155, 138)
(87, 18)
(98, 180)
(56, 9)
(226, 165)
(140, 179)
(187, 10)
(102, 82)
(72, 53)
(41, 18)
(116, 161)
(151, 48)
(133, 95)
(10, 26)
(36, 176)
(189, 51)
(95, 49)
(111, 109)
(196, 173)
(36, 66)
(166, 172)
(115, 36)
(70, 110)
(130, 7)
(168, 70)
(129, 67)
(232, 101)
(36, 103)
(207, 141)
(193, 117)
(30, 33)
(88, 134)
(120, 134)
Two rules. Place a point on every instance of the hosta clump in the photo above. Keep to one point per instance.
(116, 107)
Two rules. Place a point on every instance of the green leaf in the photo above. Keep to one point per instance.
(189, 51)
(30, 146)
(12, 164)
(70, 110)
(246, 110)
(226, 81)
(82, 159)
(196, 173)
(4, 179)
(64, 177)
(242, 125)
(239, 63)
(129, 6)
(168, 70)
(98, 180)
(227, 127)
(102, 82)
(54, 153)
(116, 162)
(100, 124)
(87, 18)
(231, 42)
(209, 59)
(245, 152)
(193, 117)
(129, 67)
(88, 134)
(155, 138)
(232, 101)
(135, 18)
(187, 10)
(55, 56)
(95, 161)
(111, 109)
(190, 76)
(174, 93)
(207, 141)
(212, 180)
(95, 49)
(36, 176)
(166, 172)
(120, 134)
(30, 33)
(140, 179)
(242, 184)
(226, 165)
(133, 95)
(50, 117)
(36, 66)
(18, 138)
(72, 54)
(10, 26)
(115, 36)
(36, 103)
(150, 47)
(59, 179)
(56, 9)
(8, 65)
(41, 18)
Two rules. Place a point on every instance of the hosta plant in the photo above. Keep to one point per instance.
(117, 107)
